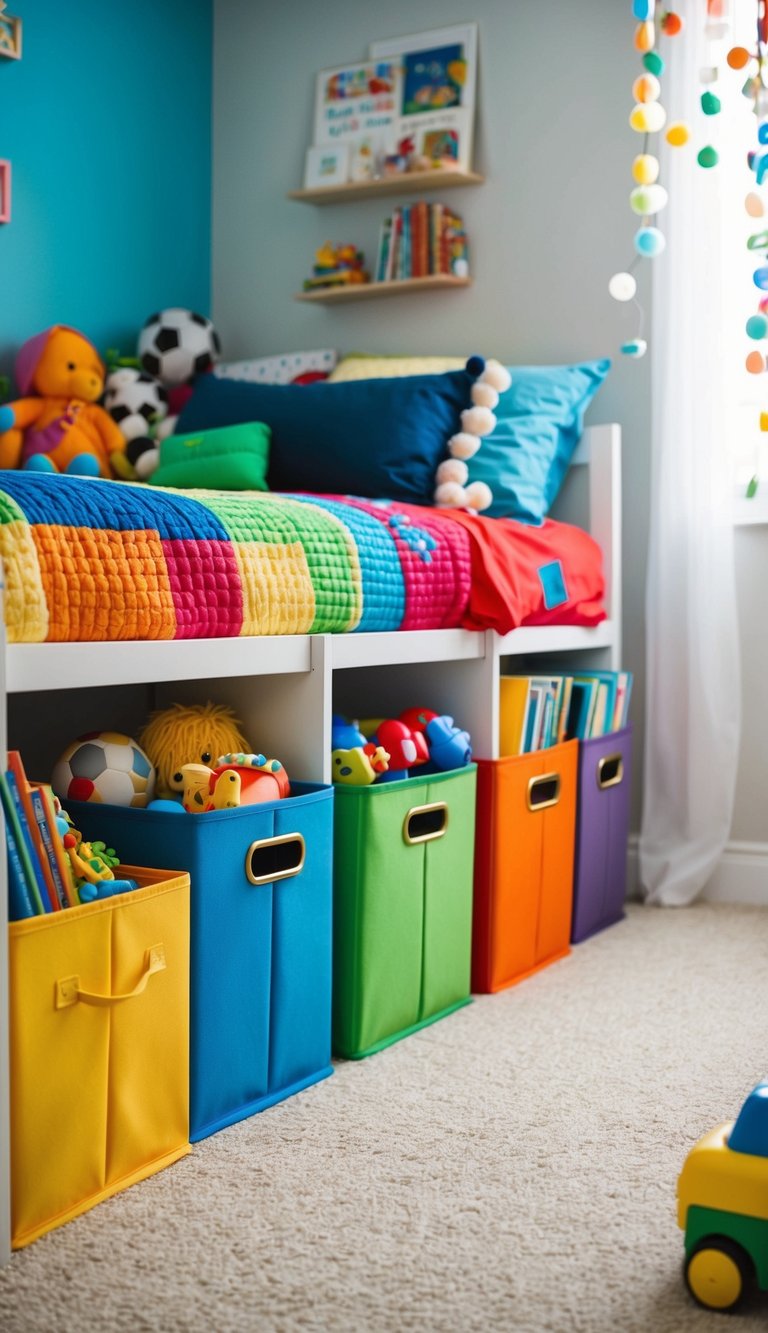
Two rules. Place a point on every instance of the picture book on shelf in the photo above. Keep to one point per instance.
(540, 711)
(435, 98)
(356, 109)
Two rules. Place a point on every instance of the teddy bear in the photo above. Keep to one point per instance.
(57, 426)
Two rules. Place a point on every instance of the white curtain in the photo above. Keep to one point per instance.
(693, 706)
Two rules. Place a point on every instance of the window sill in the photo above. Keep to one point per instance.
(749, 513)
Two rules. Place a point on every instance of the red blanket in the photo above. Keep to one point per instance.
(523, 575)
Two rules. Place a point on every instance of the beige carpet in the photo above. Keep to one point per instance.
(512, 1167)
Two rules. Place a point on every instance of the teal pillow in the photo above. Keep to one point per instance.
(539, 423)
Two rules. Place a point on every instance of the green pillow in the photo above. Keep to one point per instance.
(228, 458)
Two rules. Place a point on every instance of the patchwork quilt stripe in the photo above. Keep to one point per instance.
(87, 560)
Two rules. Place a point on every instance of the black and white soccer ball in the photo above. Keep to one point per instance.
(177, 345)
(135, 401)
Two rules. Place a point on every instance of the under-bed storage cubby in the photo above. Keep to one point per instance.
(99, 1035)
(260, 994)
(602, 832)
(403, 858)
(402, 907)
(524, 848)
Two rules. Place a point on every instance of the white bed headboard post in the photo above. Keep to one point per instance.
(601, 449)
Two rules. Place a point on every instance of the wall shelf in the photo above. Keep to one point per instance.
(406, 182)
(398, 287)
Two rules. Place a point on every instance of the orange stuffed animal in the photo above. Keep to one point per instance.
(61, 428)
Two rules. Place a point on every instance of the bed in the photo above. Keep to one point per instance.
(286, 607)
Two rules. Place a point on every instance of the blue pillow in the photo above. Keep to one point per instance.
(540, 420)
(360, 437)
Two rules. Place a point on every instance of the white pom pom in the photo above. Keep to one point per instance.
(463, 445)
(484, 395)
(497, 375)
(452, 469)
(478, 495)
(147, 463)
(450, 495)
(478, 420)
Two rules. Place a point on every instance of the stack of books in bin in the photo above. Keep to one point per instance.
(540, 711)
(421, 240)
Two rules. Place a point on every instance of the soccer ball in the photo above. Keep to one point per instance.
(176, 345)
(134, 400)
(104, 766)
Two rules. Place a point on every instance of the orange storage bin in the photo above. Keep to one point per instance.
(524, 846)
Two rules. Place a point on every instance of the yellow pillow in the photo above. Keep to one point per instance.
(358, 366)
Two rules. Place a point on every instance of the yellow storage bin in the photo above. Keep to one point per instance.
(99, 1033)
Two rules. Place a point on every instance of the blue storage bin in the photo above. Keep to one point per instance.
(261, 909)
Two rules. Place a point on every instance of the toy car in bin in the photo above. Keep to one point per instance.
(722, 1195)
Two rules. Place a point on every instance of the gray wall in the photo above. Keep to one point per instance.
(548, 228)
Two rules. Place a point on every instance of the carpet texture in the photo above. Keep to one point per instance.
(512, 1167)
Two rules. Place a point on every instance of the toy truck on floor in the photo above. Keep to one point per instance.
(722, 1195)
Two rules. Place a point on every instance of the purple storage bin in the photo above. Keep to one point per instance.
(602, 830)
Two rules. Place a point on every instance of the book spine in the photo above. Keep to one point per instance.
(46, 836)
(19, 902)
(395, 245)
(28, 852)
(16, 767)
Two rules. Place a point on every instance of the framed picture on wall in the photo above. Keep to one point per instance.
(10, 37)
(326, 164)
(438, 78)
(5, 191)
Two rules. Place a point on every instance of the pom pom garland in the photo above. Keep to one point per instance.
(478, 496)
(450, 495)
(484, 395)
(647, 117)
(678, 135)
(497, 376)
(452, 469)
(648, 199)
(646, 88)
(645, 169)
(475, 366)
(649, 241)
(478, 420)
(622, 287)
(463, 445)
(451, 490)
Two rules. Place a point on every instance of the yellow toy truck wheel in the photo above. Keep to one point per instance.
(717, 1272)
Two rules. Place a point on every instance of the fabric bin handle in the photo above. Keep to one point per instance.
(69, 990)
(269, 859)
(543, 792)
(610, 771)
(425, 823)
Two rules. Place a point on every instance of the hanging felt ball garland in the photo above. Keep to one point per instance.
(648, 198)
(755, 63)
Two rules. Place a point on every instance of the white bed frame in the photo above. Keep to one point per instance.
(285, 688)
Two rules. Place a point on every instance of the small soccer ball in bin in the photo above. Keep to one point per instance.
(104, 766)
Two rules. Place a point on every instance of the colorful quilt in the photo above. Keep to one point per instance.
(87, 560)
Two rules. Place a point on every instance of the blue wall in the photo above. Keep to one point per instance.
(107, 122)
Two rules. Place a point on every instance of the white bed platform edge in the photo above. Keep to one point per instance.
(286, 687)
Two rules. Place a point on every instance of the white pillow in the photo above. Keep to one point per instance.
(277, 369)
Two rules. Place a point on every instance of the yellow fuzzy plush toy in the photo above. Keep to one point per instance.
(182, 735)
(58, 425)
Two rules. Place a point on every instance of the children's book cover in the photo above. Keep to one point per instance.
(358, 106)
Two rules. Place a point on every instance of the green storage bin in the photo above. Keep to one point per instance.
(402, 919)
